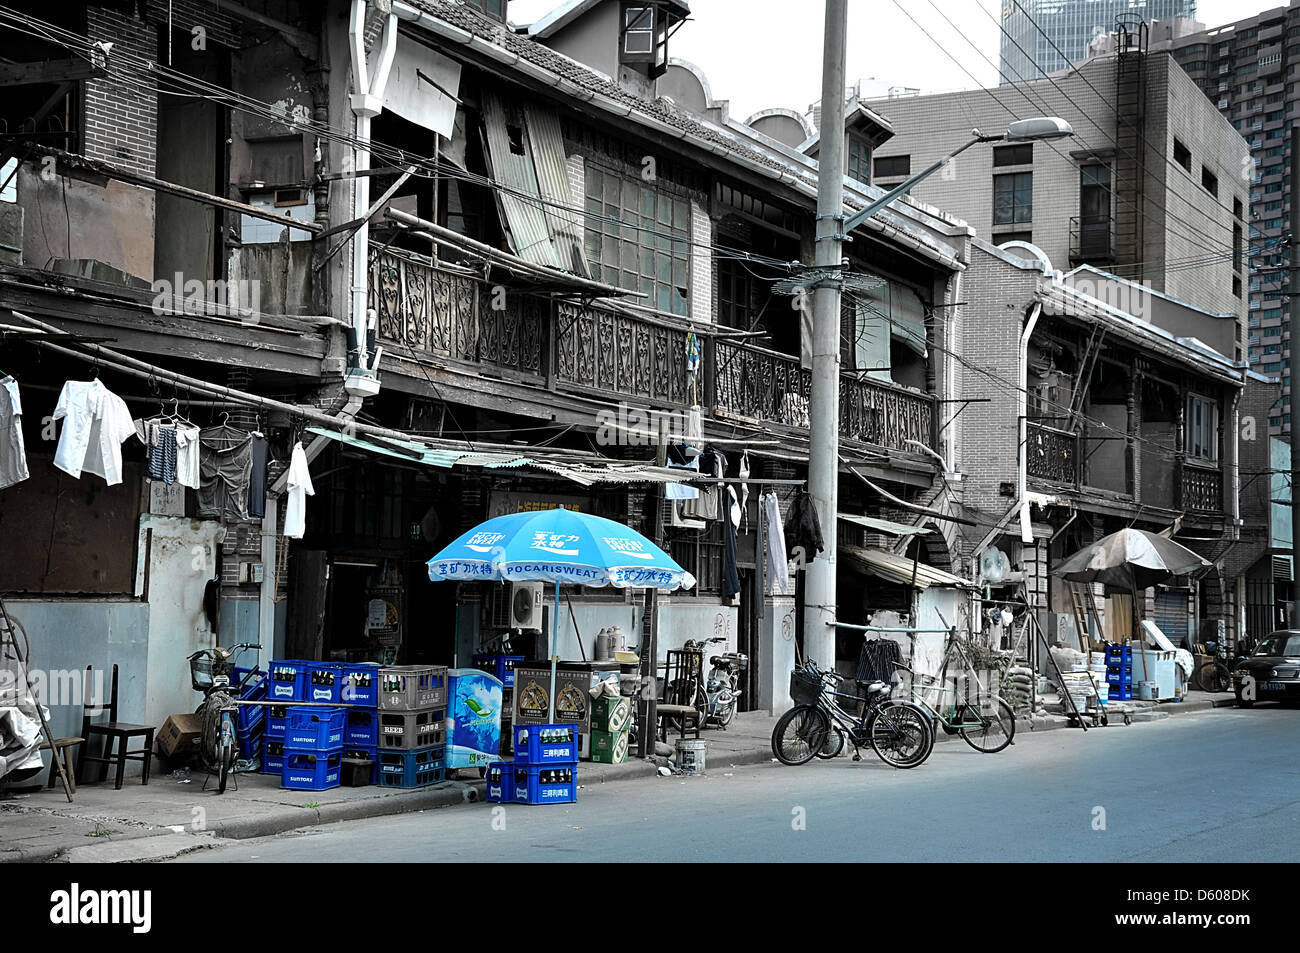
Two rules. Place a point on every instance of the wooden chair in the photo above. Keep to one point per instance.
(115, 734)
(683, 668)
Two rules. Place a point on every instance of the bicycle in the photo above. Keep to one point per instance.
(1211, 672)
(210, 671)
(690, 689)
(901, 736)
(986, 732)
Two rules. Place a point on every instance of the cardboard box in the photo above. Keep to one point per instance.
(611, 713)
(609, 747)
(179, 735)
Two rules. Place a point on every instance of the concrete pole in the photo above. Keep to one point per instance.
(824, 414)
(1294, 305)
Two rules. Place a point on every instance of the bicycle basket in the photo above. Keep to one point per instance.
(201, 671)
(805, 689)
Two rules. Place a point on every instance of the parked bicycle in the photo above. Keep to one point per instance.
(900, 734)
(210, 673)
(1212, 671)
(987, 725)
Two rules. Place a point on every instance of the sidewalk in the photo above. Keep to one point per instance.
(168, 816)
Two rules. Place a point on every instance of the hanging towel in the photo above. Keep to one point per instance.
(682, 491)
(13, 456)
(96, 422)
(257, 482)
(299, 484)
(777, 563)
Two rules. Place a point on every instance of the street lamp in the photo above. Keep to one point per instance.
(833, 229)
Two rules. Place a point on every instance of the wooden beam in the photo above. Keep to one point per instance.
(49, 71)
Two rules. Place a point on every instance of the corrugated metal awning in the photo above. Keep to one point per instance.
(885, 526)
(898, 569)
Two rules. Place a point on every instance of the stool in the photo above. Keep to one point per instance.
(61, 749)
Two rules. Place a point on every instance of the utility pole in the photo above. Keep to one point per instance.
(1293, 305)
(824, 408)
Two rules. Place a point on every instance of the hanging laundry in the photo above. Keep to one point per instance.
(708, 506)
(257, 484)
(742, 471)
(778, 563)
(189, 471)
(682, 491)
(730, 573)
(226, 468)
(299, 483)
(96, 422)
(160, 438)
(13, 456)
(803, 530)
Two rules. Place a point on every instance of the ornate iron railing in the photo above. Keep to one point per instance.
(621, 354)
(1051, 454)
(1202, 488)
(442, 312)
(764, 385)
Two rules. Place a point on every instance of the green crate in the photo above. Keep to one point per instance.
(609, 747)
(611, 713)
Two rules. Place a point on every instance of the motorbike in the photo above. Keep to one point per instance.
(721, 686)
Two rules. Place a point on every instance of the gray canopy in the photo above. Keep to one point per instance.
(1131, 557)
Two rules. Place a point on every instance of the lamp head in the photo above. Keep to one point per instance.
(1043, 127)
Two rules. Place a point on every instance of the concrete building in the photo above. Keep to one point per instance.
(1149, 188)
(1044, 36)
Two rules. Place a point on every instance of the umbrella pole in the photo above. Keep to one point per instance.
(555, 639)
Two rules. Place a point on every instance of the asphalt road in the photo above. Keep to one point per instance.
(1217, 786)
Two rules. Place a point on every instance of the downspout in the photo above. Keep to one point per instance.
(1022, 412)
(367, 102)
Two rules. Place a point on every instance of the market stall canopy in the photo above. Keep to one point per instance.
(559, 545)
(1131, 557)
(898, 569)
(884, 526)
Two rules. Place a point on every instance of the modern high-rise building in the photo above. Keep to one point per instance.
(1043, 36)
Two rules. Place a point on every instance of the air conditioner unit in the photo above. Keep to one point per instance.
(526, 605)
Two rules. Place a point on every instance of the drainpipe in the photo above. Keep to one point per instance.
(1022, 412)
(367, 102)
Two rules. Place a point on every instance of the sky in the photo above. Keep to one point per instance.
(760, 54)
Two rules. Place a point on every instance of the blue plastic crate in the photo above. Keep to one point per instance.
(1119, 675)
(287, 678)
(249, 718)
(323, 682)
(412, 769)
(1117, 693)
(360, 684)
(361, 727)
(546, 744)
(277, 721)
(500, 666)
(250, 743)
(546, 784)
(364, 751)
(311, 770)
(501, 782)
(272, 755)
(1119, 655)
(315, 728)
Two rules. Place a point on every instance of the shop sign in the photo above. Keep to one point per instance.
(504, 502)
(572, 697)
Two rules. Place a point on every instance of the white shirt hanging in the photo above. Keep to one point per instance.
(96, 422)
(187, 456)
(299, 484)
(13, 457)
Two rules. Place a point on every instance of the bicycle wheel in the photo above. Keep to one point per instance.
(998, 730)
(226, 763)
(800, 734)
(834, 745)
(901, 734)
(1221, 680)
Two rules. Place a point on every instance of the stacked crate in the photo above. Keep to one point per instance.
(503, 668)
(284, 684)
(313, 748)
(611, 722)
(360, 688)
(545, 769)
(250, 720)
(412, 726)
(1119, 672)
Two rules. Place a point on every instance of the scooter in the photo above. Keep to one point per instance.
(720, 687)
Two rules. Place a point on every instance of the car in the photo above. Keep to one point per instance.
(1272, 673)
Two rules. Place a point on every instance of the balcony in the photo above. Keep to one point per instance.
(593, 351)
(1091, 241)
(1052, 454)
(1200, 487)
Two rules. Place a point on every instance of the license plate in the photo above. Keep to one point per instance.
(1273, 686)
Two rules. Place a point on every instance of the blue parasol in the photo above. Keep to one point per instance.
(558, 545)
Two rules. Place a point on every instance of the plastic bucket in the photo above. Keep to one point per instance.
(692, 755)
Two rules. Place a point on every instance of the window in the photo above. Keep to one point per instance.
(1236, 286)
(1021, 154)
(638, 238)
(888, 166)
(1209, 181)
(1013, 198)
(1183, 155)
(1236, 208)
(1202, 428)
(859, 159)
(1236, 252)
(493, 8)
(1001, 238)
(639, 34)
